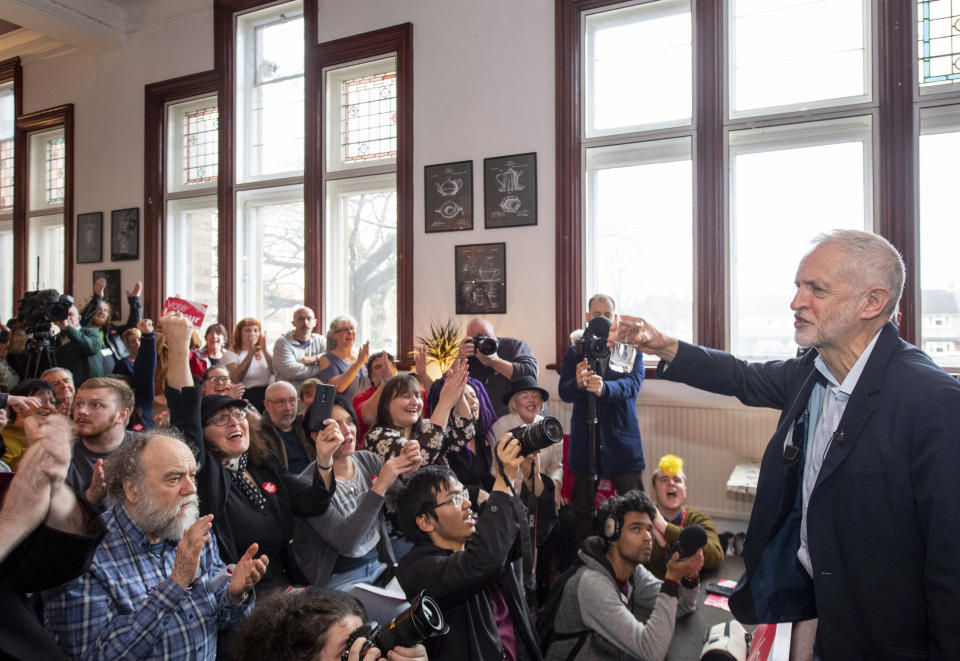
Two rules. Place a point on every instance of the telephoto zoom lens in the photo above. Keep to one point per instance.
(421, 621)
(538, 435)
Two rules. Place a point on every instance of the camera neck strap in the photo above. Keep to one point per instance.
(527, 548)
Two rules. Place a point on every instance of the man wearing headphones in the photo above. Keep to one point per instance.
(613, 604)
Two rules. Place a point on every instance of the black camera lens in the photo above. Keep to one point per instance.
(485, 344)
(421, 621)
(539, 435)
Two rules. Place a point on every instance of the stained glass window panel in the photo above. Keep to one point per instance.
(200, 146)
(938, 45)
(6, 147)
(6, 175)
(55, 180)
(369, 112)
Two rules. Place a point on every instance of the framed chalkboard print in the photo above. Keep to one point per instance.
(125, 234)
(481, 278)
(510, 190)
(448, 197)
(111, 293)
(90, 237)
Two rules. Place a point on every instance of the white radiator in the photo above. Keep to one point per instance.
(711, 437)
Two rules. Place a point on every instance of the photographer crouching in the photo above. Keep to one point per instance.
(465, 560)
(604, 434)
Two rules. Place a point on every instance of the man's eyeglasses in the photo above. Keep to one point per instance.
(224, 418)
(457, 499)
(219, 379)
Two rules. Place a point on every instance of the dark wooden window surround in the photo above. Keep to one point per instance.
(392, 40)
(894, 163)
(41, 120)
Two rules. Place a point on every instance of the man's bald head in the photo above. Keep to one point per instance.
(478, 325)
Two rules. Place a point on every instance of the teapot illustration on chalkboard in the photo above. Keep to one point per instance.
(449, 187)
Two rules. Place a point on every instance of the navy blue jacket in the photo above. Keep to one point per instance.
(883, 520)
(621, 446)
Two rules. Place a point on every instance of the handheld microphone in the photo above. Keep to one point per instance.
(692, 539)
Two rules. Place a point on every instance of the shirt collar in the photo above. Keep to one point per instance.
(133, 532)
(853, 376)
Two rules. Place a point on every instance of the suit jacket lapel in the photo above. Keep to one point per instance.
(860, 407)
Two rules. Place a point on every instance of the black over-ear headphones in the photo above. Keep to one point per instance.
(611, 528)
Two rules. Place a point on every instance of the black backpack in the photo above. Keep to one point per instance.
(546, 635)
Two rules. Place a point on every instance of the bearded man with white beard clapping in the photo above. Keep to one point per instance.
(157, 587)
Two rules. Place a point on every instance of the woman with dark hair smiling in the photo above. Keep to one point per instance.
(252, 498)
(350, 542)
(400, 417)
(211, 353)
(474, 460)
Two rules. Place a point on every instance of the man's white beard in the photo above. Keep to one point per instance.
(166, 524)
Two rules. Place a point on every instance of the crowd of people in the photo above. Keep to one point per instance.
(172, 495)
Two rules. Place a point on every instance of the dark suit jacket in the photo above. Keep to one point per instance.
(884, 516)
(45, 559)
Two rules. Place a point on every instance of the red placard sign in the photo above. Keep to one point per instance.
(192, 311)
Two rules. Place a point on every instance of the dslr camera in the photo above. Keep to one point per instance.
(538, 435)
(591, 346)
(485, 344)
(421, 621)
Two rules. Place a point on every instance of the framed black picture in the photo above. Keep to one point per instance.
(125, 234)
(481, 278)
(510, 190)
(448, 197)
(90, 237)
(112, 292)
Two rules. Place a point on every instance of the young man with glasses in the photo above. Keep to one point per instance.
(465, 560)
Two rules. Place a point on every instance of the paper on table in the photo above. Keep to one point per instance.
(391, 591)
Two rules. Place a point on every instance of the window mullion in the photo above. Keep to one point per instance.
(709, 232)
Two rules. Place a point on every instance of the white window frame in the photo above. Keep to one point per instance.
(806, 106)
(245, 129)
(860, 128)
(614, 16)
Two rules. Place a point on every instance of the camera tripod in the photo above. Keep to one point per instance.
(39, 355)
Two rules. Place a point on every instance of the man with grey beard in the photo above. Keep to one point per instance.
(157, 587)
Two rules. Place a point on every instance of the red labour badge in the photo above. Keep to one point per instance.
(270, 487)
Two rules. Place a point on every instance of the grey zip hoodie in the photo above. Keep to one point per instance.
(593, 601)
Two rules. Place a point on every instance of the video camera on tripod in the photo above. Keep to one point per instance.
(36, 314)
(592, 345)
